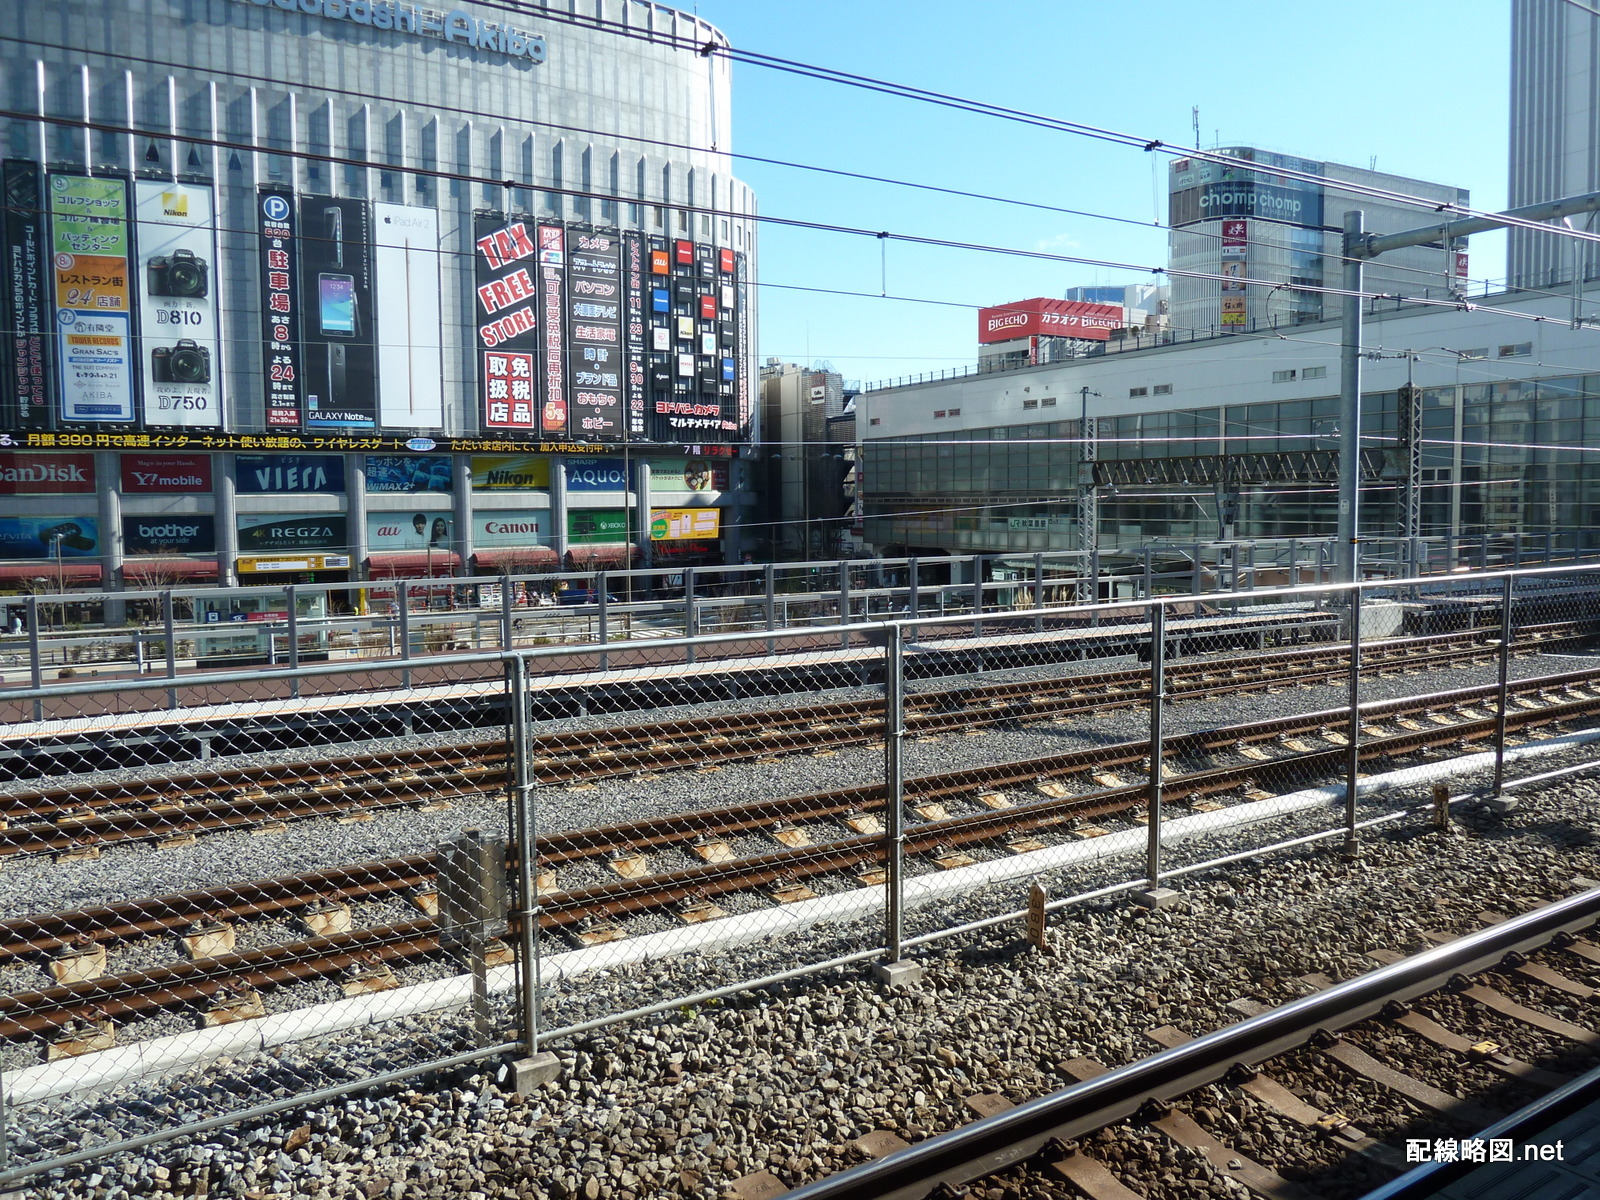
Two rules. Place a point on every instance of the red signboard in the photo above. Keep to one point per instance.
(1041, 317)
(41, 474)
(143, 473)
(1235, 233)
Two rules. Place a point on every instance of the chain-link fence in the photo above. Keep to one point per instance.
(233, 891)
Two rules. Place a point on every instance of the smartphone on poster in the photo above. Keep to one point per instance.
(337, 305)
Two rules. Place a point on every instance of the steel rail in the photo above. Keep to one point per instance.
(176, 911)
(992, 1143)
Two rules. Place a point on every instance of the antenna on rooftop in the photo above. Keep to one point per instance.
(1194, 118)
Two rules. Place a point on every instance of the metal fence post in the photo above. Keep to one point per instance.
(691, 615)
(913, 588)
(505, 613)
(294, 640)
(1353, 750)
(35, 653)
(1158, 691)
(844, 603)
(1038, 593)
(169, 627)
(1503, 667)
(601, 600)
(404, 602)
(525, 832)
(894, 790)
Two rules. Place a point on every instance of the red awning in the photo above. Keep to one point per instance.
(608, 557)
(515, 560)
(156, 573)
(51, 571)
(412, 565)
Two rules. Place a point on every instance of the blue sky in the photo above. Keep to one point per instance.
(1421, 85)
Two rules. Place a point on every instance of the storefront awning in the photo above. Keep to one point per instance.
(515, 560)
(412, 565)
(51, 572)
(607, 557)
(156, 573)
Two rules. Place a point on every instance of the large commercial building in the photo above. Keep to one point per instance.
(338, 289)
(1237, 436)
(1250, 243)
(1555, 133)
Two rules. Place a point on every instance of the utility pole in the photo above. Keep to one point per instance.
(1088, 502)
(1358, 247)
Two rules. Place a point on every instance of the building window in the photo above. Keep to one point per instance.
(875, 421)
(955, 412)
(1163, 389)
(1049, 401)
(1030, 404)
(1314, 373)
(1520, 350)
(1283, 376)
(938, 413)
(1138, 392)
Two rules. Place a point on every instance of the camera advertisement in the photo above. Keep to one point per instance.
(177, 253)
(89, 247)
(337, 321)
(410, 352)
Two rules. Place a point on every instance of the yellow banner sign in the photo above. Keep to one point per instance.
(684, 524)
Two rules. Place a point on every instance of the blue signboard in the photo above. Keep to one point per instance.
(595, 475)
(290, 473)
(408, 473)
(49, 537)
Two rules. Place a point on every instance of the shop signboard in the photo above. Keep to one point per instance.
(280, 307)
(678, 524)
(179, 361)
(25, 474)
(289, 473)
(90, 249)
(49, 537)
(553, 416)
(596, 475)
(513, 527)
(169, 533)
(406, 293)
(510, 473)
(1043, 317)
(146, 474)
(25, 299)
(595, 333)
(506, 262)
(408, 473)
(260, 532)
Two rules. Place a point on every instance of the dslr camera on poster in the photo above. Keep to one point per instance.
(186, 362)
(181, 273)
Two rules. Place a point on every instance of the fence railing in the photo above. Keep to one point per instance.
(409, 865)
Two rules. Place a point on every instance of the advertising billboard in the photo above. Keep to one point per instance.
(514, 527)
(510, 472)
(414, 531)
(90, 247)
(25, 299)
(49, 537)
(692, 373)
(169, 533)
(597, 527)
(280, 307)
(1286, 203)
(688, 475)
(291, 531)
(405, 269)
(144, 474)
(338, 318)
(596, 475)
(179, 361)
(289, 473)
(595, 321)
(1043, 317)
(506, 262)
(633, 265)
(552, 276)
(409, 473)
(679, 524)
(24, 474)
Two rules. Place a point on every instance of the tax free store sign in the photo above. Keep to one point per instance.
(457, 26)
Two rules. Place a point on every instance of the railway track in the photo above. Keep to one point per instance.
(1337, 1086)
(1309, 747)
(81, 819)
